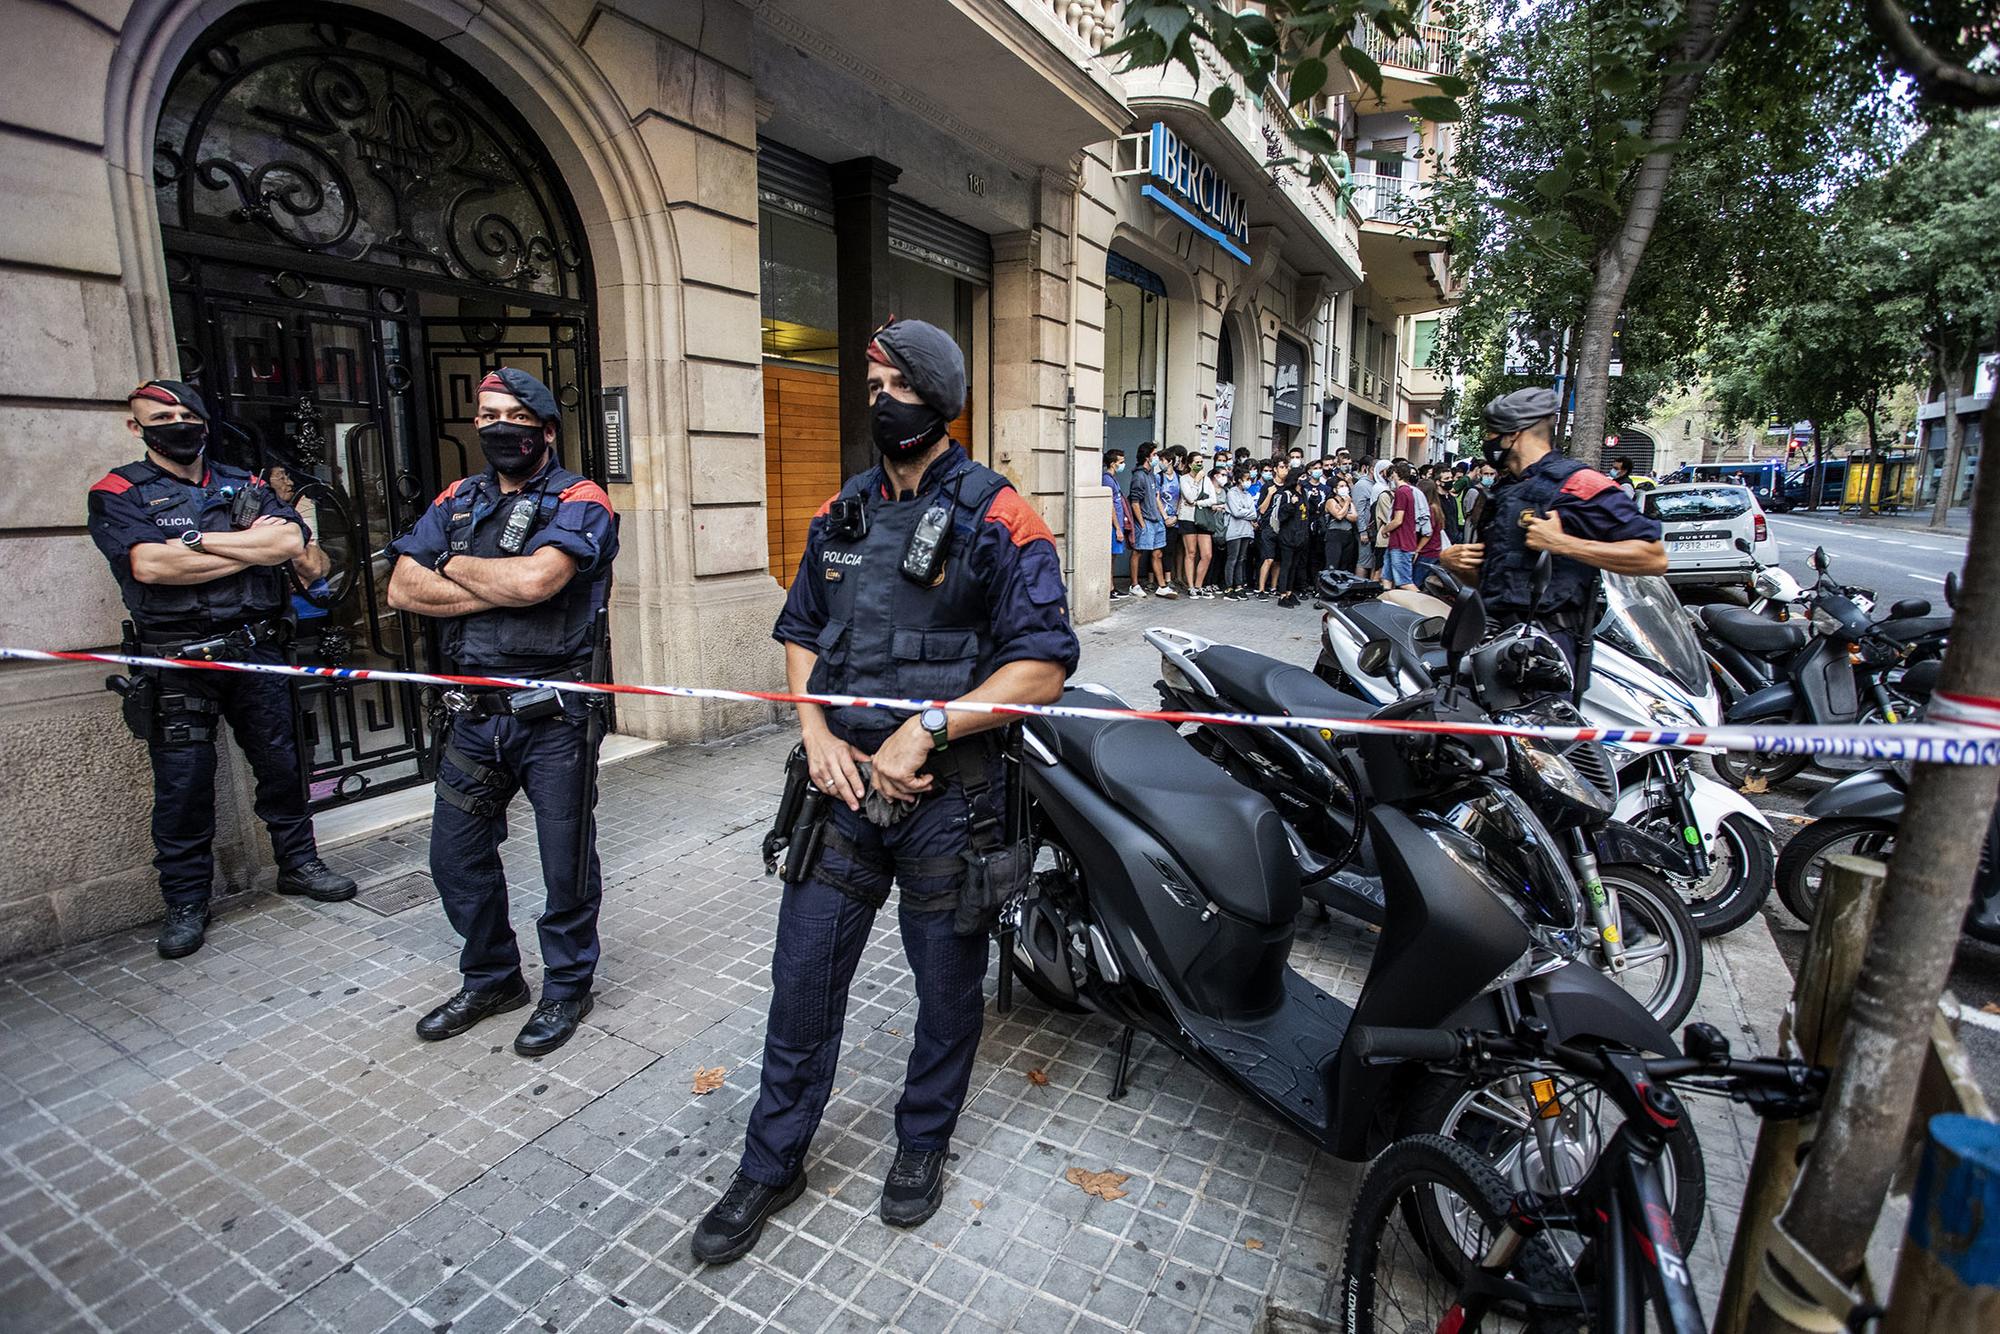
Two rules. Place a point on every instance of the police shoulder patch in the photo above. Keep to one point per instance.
(1587, 484)
(448, 492)
(112, 484)
(1021, 520)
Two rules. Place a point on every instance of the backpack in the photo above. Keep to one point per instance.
(1424, 526)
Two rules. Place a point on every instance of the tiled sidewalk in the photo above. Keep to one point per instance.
(252, 1138)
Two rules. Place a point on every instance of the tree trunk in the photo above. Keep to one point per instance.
(1619, 258)
(1954, 445)
(1865, 1120)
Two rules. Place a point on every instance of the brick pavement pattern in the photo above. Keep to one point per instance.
(254, 1139)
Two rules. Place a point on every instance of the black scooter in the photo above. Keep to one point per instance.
(1861, 814)
(1832, 667)
(1571, 790)
(1164, 898)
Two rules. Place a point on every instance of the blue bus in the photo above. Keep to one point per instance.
(1832, 488)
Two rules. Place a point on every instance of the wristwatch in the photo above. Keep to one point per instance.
(437, 566)
(191, 539)
(938, 723)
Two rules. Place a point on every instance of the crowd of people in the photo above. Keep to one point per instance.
(1223, 524)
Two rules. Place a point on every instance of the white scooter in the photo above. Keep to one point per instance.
(1647, 670)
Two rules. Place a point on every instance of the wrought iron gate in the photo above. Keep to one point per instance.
(356, 231)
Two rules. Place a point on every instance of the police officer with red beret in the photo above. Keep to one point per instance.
(199, 550)
(515, 562)
(926, 578)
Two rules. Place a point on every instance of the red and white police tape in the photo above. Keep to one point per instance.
(1965, 729)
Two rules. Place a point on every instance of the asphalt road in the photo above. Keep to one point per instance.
(1896, 563)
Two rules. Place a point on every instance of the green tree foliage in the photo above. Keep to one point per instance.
(1548, 161)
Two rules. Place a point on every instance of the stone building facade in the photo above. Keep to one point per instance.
(686, 215)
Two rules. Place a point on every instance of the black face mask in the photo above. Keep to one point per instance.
(180, 441)
(904, 430)
(514, 450)
(1494, 447)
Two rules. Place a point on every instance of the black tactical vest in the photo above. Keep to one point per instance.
(887, 635)
(549, 636)
(258, 593)
(1507, 574)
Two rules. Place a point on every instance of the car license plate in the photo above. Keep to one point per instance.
(1699, 544)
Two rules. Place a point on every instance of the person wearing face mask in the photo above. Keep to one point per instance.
(927, 577)
(1545, 501)
(198, 550)
(514, 564)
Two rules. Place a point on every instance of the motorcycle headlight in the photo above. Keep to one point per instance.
(1538, 765)
(1669, 714)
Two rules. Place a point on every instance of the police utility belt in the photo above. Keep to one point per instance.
(523, 705)
(996, 865)
(156, 712)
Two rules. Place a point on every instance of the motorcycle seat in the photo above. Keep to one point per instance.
(1754, 634)
(1261, 684)
(1229, 837)
(1910, 629)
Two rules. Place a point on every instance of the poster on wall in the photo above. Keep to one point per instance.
(1225, 410)
(1287, 385)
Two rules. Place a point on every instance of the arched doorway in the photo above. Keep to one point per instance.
(355, 229)
(1636, 447)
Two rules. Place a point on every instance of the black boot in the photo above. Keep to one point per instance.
(731, 1228)
(468, 1007)
(915, 1187)
(183, 931)
(553, 1024)
(316, 880)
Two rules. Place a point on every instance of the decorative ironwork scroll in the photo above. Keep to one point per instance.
(332, 138)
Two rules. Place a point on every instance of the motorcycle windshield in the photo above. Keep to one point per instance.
(1644, 618)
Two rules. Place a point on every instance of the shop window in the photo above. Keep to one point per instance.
(799, 301)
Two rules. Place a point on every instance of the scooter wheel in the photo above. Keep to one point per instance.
(1041, 990)
(1738, 768)
(1735, 900)
(1803, 860)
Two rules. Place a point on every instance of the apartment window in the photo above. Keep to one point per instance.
(1423, 341)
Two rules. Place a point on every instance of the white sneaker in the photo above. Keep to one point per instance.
(1137, 590)
(1165, 591)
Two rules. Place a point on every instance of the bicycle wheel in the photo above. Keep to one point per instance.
(1493, 1116)
(1424, 1207)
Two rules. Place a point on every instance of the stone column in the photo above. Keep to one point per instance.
(861, 233)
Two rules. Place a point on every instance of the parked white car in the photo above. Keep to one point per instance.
(1706, 526)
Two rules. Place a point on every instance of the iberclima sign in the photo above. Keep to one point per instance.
(1187, 186)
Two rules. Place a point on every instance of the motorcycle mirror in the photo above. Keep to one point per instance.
(1374, 657)
(1466, 625)
(1743, 545)
(1951, 589)
(1819, 560)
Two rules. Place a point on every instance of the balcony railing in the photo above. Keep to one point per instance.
(1367, 383)
(1390, 198)
(1095, 22)
(1433, 50)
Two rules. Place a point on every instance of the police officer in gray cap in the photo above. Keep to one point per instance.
(1545, 501)
(927, 577)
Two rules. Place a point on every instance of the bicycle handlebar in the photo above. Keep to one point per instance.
(1381, 1044)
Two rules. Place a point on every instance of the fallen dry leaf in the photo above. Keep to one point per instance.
(1755, 785)
(895, 1032)
(979, 1204)
(1104, 1185)
(1252, 1243)
(708, 1081)
(1991, 1007)
(1037, 1078)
